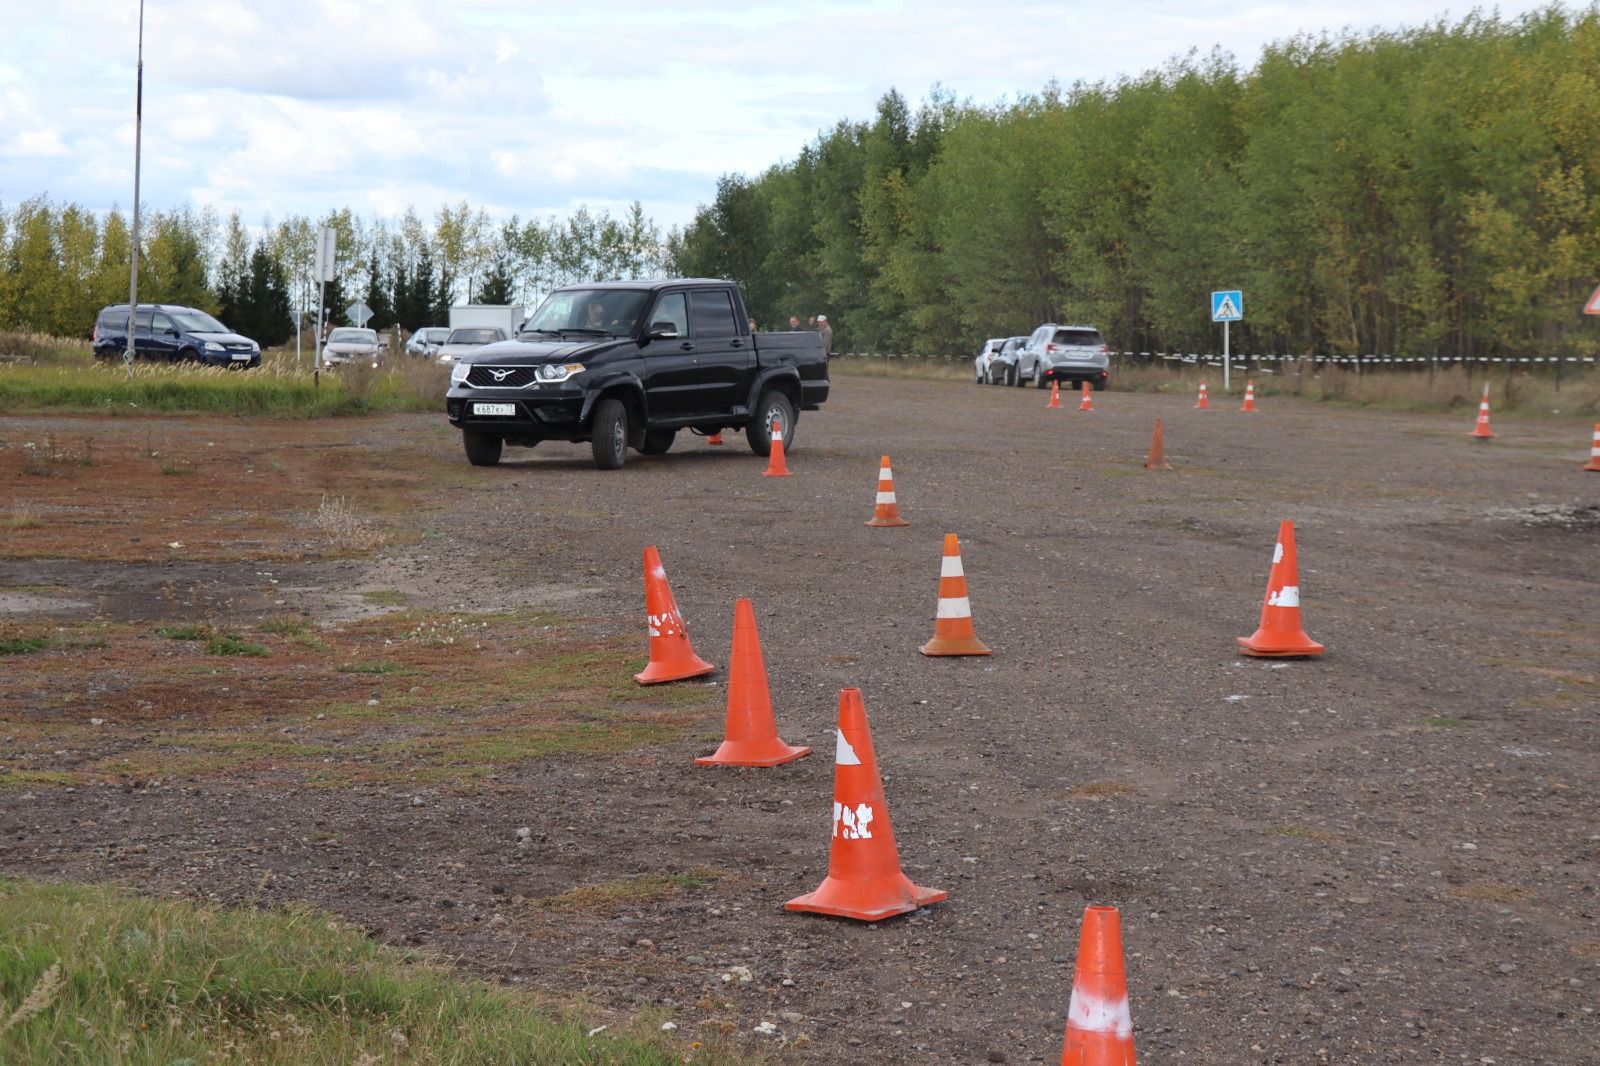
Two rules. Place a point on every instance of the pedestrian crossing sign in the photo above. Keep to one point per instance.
(1227, 306)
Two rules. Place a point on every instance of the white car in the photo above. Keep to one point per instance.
(980, 365)
(425, 341)
(349, 342)
(464, 342)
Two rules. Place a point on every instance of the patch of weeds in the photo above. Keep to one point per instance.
(23, 645)
(1490, 892)
(169, 468)
(24, 518)
(1439, 721)
(83, 644)
(381, 666)
(386, 598)
(1304, 832)
(232, 644)
(189, 632)
(1101, 790)
(1587, 949)
(286, 626)
(24, 778)
(629, 891)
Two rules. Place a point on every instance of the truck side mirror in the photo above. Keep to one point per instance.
(663, 330)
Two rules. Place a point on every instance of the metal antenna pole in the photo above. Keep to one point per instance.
(138, 126)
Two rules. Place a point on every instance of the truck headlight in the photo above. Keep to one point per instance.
(553, 373)
(459, 371)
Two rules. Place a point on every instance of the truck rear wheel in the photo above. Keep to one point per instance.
(609, 438)
(482, 449)
(773, 406)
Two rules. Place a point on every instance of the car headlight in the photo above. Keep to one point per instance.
(213, 346)
(458, 372)
(553, 373)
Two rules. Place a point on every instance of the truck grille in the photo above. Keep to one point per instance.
(501, 377)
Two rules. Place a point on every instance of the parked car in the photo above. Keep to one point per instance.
(425, 341)
(980, 365)
(173, 334)
(351, 342)
(1003, 363)
(1068, 354)
(463, 342)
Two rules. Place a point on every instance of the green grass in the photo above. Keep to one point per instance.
(190, 632)
(22, 645)
(98, 975)
(386, 598)
(232, 644)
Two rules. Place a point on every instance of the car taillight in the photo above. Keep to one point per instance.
(1050, 349)
(1106, 348)
(96, 338)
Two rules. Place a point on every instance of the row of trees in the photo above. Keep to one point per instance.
(1434, 191)
(59, 264)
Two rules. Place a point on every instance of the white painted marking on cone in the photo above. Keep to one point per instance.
(1277, 554)
(1288, 596)
(955, 607)
(659, 573)
(885, 497)
(951, 567)
(851, 822)
(1093, 1014)
(885, 473)
(843, 753)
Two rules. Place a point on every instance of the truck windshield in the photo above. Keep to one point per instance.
(590, 310)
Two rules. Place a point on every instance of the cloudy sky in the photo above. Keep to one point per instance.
(278, 107)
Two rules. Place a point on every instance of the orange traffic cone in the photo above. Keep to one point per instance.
(671, 657)
(752, 737)
(864, 878)
(1099, 1025)
(1202, 404)
(1280, 635)
(1249, 396)
(1158, 452)
(776, 467)
(952, 626)
(887, 512)
(1086, 404)
(1481, 431)
(1594, 451)
(715, 438)
(1055, 395)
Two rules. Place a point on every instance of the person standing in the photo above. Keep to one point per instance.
(794, 323)
(827, 334)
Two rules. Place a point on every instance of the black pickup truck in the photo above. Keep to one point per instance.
(630, 363)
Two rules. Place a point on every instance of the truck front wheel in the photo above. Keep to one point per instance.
(482, 449)
(609, 438)
(773, 406)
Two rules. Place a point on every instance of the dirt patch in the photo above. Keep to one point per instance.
(1386, 855)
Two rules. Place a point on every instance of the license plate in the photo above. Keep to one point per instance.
(239, 357)
(494, 408)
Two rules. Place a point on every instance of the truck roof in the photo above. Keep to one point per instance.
(650, 284)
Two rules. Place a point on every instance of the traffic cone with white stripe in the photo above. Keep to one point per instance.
(1249, 396)
(1202, 404)
(887, 512)
(671, 656)
(751, 735)
(1099, 1024)
(952, 626)
(1055, 395)
(1280, 634)
(1085, 404)
(776, 467)
(1594, 451)
(864, 878)
(1481, 431)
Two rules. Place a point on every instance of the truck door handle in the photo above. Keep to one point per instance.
(686, 346)
(737, 343)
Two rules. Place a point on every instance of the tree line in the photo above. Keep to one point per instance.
(61, 263)
(1430, 191)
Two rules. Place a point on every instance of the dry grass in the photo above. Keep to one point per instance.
(343, 529)
(629, 891)
(1490, 892)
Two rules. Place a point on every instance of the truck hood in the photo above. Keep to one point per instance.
(520, 352)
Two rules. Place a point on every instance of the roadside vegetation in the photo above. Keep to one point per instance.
(94, 974)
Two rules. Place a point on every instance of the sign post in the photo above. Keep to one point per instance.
(1227, 306)
(327, 241)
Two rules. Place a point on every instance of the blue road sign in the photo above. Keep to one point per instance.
(1227, 306)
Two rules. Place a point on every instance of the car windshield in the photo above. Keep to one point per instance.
(353, 336)
(1079, 338)
(435, 334)
(473, 336)
(197, 322)
(596, 310)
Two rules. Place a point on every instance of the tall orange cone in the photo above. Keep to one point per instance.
(1099, 1024)
(1280, 635)
(751, 735)
(1202, 404)
(1481, 431)
(1249, 396)
(864, 878)
(1594, 451)
(1158, 451)
(1055, 395)
(776, 467)
(952, 625)
(1085, 404)
(887, 512)
(715, 438)
(671, 656)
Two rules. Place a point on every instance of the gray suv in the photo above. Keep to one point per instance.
(1068, 354)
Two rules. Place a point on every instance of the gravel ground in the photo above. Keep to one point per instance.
(1387, 855)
